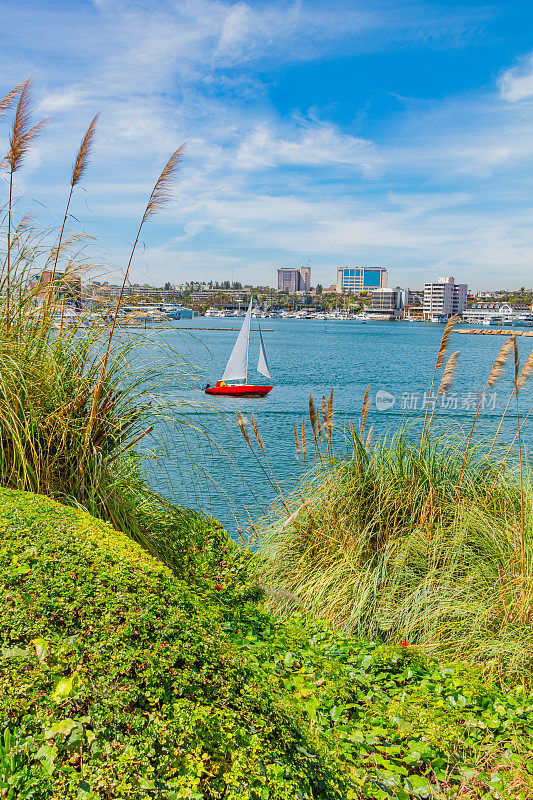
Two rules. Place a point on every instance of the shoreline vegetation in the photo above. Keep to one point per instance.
(376, 643)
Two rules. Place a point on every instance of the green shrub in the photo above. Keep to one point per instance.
(120, 680)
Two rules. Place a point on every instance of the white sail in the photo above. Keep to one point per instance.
(262, 364)
(237, 366)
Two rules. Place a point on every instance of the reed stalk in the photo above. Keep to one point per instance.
(159, 197)
(21, 137)
(80, 165)
(494, 376)
(441, 357)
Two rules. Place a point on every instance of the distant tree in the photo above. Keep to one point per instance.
(167, 287)
(236, 285)
(319, 288)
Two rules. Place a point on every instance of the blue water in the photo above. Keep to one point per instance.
(207, 465)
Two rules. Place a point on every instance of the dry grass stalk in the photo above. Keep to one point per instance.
(7, 101)
(159, 196)
(22, 134)
(20, 139)
(325, 414)
(445, 383)
(242, 426)
(313, 416)
(364, 410)
(527, 372)
(298, 449)
(80, 165)
(501, 361)
(82, 159)
(441, 357)
(330, 413)
(369, 437)
(161, 193)
(292, 517)
(449, 373)
(257, 434)
(522, 515)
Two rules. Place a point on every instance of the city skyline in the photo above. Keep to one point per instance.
(394, 133)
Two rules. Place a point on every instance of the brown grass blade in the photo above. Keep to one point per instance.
(325, 414)
(364, 410)
(242, 426)
(516, 360)
(22, 134)
(82, 159)
(441, 356)
(369, 437)
(330, 413)
(161, 193)
(257, 434)
(7, 101)
(298, 450)
(304, 442)
(313, 415)
(527, 371)
(449, 373)
(501, 360)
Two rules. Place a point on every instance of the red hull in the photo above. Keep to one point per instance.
(246, 390)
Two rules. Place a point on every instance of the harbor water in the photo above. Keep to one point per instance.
(201, 458)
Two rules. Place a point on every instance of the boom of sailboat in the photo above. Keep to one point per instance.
(237, 366)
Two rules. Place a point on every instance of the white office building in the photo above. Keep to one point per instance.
(358, 279)
(444, 298)
(294, 280)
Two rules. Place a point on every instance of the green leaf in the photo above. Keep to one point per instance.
(46, 755)
(64, 727)
(41, 648)
(63, 688)
(420, 786)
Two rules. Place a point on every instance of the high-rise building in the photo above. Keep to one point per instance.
(358, 279)
(294, 280)
(444, 298)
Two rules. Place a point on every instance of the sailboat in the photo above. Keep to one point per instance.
(237, 366)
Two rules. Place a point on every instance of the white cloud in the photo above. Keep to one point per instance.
(444, 183)
(316, 145)
(517, 83)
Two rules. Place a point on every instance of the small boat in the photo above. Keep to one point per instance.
(237, 367)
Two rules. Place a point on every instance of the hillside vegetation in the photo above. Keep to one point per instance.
(119, 680)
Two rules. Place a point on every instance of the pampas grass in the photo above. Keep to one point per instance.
(432, 544)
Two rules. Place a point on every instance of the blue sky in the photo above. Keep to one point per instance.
(391, 133)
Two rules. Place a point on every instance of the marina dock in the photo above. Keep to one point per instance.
(497, 332)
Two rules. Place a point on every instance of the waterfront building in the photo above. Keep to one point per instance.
(359, 279)
(387, 303)
(66, 286)
(294, 280)
(444, 298)
(492, 313)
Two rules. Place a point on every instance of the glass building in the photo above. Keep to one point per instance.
(357, 279)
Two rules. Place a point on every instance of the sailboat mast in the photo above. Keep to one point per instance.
(248, 342)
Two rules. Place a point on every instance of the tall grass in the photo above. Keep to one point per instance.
(74, 400)
(425, 541)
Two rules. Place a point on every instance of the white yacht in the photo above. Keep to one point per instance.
(525, 320)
